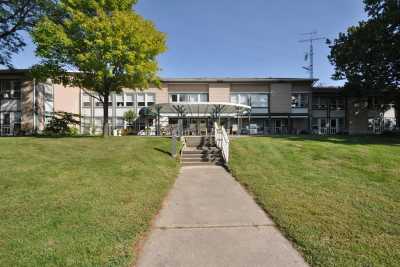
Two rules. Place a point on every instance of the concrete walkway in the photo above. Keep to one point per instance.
(210, 220)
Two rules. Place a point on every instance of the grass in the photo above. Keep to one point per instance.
(79, 201)
(337, 199)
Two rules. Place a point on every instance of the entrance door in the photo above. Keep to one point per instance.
(333, 126)
(6, 125)
(280, 126)
(328, 126)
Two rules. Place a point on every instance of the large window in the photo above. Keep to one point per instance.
(86, 100)
(323, 102)
(145, 100)
(10, 89)
(150, 99)
(299, 100)
(141, 100)
(188, 97)
(129, 100)
(255, 100)
(119, 98)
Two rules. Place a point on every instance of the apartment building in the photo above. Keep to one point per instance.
(256, 106)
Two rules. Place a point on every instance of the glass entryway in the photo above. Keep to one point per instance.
(191, 126)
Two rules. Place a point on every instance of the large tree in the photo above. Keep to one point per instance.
(104, 43)
(368, 55)
(17, 16)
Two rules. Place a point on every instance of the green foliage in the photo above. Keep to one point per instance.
(110, 45)
(367, 55)
(63, 124)
(130, 116)
(17, 16)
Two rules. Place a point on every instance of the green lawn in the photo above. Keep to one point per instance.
(337, 198)
(79, 201)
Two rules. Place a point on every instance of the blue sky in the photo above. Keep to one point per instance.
(242, 38)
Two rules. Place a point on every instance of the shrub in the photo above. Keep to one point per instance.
(62, 123)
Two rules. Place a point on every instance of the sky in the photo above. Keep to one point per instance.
(241, 38)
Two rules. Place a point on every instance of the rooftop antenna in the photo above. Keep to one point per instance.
(312, 36)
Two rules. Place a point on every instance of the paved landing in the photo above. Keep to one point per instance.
(210, 220)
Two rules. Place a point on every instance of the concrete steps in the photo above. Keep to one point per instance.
(199, 141)
(201, 157)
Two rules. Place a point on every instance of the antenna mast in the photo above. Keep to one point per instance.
(312, 37)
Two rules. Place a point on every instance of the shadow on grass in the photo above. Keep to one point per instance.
(65, 136)
(344, 140)
(163, 151)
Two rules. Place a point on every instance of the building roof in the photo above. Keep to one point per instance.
(234, 80)
(200, 79)
(14, 71)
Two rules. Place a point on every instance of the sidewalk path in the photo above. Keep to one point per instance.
(210, 220)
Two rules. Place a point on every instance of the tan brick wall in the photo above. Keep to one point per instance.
(251, 88)
(219, 92)
(281, 97)
(188, 88)
(66, 99)
(161, 93)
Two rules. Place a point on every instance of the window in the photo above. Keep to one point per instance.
(120, 100)
(299, 100)
(99, 104)
(6, 119)
(244, 99)
(320, 102)
(10, 89)
(182, 98)
(188, 97)
(173, 98)
(333, 103)
(193, 98)
(259, 100)
(203, 97)
(255, 100)
(150, 99)
(129, 100)
(140, 100)
(234, 98)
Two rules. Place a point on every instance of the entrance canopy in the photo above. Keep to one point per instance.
(202, 109)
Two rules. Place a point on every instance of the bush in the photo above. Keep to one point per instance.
(63, 124)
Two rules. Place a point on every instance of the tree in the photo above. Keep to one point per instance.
(107, 45)
(130, 116)
(62, 123)
(368, 55)
(17, 16)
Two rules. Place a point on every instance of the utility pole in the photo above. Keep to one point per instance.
(312, 37)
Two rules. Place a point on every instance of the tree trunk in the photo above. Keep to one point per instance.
(106, 131)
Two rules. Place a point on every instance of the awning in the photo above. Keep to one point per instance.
(202, 109)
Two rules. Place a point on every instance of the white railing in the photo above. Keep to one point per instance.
(328, 131)
(183, 147)
(222, 140)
